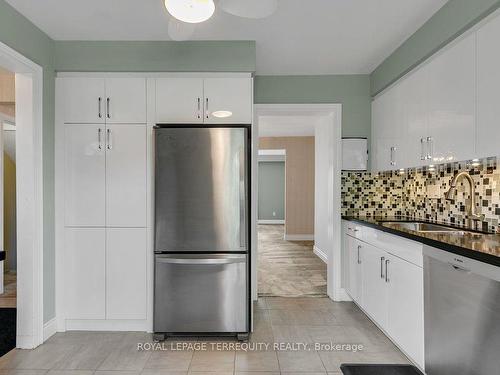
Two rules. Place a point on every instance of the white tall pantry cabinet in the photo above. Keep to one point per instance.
(105, 198)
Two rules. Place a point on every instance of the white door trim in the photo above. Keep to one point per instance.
(334, 113)
(29, 162)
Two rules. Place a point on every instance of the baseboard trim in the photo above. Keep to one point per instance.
(299, 237)
(49, 329)
(320, 253)
(270, 222)
(343, 295)
(107, 325)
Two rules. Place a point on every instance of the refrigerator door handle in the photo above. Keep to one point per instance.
(202, 260)
(242, 182)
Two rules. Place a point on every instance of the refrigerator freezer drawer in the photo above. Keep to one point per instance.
(201, 293)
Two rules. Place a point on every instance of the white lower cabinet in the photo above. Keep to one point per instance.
(353, 248)
(105, 273)
(389, 289)
(374, 289)
(85, 273)
(126, 273)
(405, 323)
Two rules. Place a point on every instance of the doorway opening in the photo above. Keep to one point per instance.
(8, 238)
(296, 251)
(21, 209)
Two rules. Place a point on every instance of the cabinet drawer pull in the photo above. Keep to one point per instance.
(99, 107)
(108, 114)
(206, 108)
(382, 267)
(108, 139)
(422, 151)
(393, 155)
(359, 257)
(387, 270)
(430, 148)
(99, 143)
(199, 107)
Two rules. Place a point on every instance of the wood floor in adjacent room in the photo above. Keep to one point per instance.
(9, 297)
(288, 268)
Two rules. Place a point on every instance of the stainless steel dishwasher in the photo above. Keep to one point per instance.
(462, 315)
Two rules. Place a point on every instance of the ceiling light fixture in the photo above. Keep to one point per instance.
(190, 11)
(222, 114)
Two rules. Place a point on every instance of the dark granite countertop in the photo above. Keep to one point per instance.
(481, 246)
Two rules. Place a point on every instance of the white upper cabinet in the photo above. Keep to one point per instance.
(488, 82)
(451, 101)
(228, 100)
(84, 175)
(84, 100)
(413, 99)
(179, 100)
(125, 100)
(99, 100)
(126, 175)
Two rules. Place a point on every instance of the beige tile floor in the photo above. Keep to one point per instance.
(277, 320)
(288, 268)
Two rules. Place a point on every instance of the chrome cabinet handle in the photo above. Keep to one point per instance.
(430, 148)
(422, 152)
(387, 270)
(359, 257)
(99, 112)
(108, 114)
(382, 267)
(393, 155)
(109, 146)
(199, 108)
(206, 108)
(99, 143)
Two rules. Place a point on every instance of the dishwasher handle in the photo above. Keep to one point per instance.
(202, 260)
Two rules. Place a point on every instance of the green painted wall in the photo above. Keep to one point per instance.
(450, 21)
(353, 91)
(155, 56)
(20, 34)
(271, 190)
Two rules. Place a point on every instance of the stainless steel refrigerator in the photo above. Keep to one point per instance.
(201, 230)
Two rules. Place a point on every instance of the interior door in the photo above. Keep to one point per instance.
(84, 257)
(374, 283)
(179, 100)
(125, 100)
(126, 181)
(84, 175)
(84, 100)
(228, 100)
(126, 279)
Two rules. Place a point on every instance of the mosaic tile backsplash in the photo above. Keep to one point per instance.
(419, 193)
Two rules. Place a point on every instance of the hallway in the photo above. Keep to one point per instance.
(288, 268)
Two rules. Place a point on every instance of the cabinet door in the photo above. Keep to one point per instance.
(84, 175)
(488, 82)
(413, 96)
(84, 100)
(451, 98)
(228, 100)
(125, 100)
(374, 287)
(406, 307)
(354, 259)
(126, 175)
(126, 273)
(84, 257)
(179, 100)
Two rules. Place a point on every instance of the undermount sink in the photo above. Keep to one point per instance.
(427, 228)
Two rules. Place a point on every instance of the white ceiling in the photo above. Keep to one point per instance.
(287, 126)
(302, 37)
